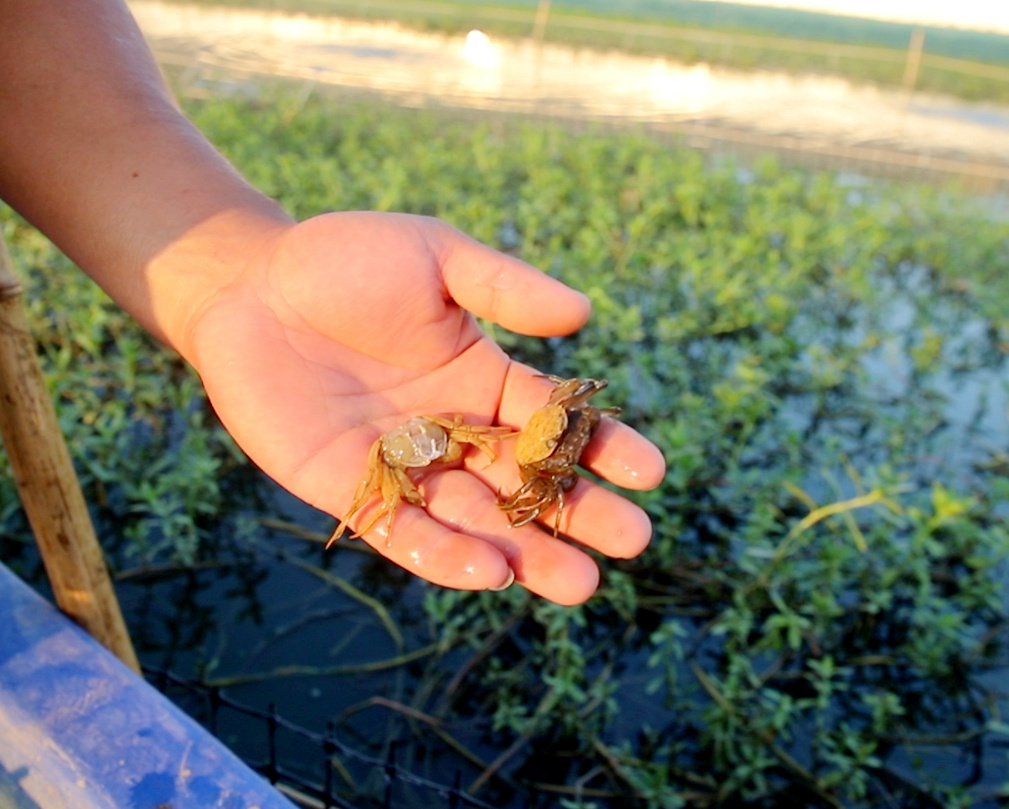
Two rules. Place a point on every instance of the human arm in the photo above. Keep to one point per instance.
(311, 339)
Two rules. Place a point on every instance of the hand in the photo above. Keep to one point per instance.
(347, 325)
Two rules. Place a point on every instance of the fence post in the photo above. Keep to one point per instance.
(540, 24)
(539, 32)
(47, 483)
(272, 767)
(913, 65)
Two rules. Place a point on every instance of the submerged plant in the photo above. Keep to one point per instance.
(823, 366)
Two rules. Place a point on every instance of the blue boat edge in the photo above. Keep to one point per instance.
(79, 729)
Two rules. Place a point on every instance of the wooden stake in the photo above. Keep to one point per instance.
(540, 23)
(913, 64)
(47, 483)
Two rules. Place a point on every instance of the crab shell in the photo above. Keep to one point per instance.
(418, 443)
(541, 435)
(557, 433)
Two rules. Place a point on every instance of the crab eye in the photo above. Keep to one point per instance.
(418, 442)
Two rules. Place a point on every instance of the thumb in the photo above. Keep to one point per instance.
(509, 292)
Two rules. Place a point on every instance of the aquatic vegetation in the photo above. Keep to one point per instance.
(822, 361)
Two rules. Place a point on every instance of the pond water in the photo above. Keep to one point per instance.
(274, 624)
(279, 621)
(272, 630)
(826, 114)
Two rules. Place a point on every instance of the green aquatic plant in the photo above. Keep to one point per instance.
(150, 455)
(822, 363)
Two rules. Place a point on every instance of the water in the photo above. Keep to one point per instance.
(265, 623)
(815, 113)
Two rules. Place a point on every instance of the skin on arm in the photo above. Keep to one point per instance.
(96, 154)
(312, 339)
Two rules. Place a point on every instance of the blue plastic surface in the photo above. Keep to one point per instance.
(79, 729)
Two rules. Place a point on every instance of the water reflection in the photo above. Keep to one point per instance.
(474, 71)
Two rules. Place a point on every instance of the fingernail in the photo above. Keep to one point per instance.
(507, 582)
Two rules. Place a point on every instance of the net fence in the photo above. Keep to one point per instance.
(314, 770)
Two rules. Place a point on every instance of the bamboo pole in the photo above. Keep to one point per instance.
(47, 483)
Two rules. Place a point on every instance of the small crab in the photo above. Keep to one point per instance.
(549, 447)
(418, 443)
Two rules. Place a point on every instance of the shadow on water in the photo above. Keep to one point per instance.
(12, 796)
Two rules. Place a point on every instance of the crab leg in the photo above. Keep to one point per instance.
(477, 435)
(524, 507)
(396, 486)
(365, 489)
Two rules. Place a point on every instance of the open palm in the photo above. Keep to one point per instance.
(353, 323)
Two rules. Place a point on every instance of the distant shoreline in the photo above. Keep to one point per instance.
(871, 10)
(751, 109)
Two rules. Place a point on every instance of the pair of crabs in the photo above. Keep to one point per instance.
(546, 450)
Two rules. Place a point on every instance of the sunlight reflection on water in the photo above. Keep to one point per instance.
(517, 75)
